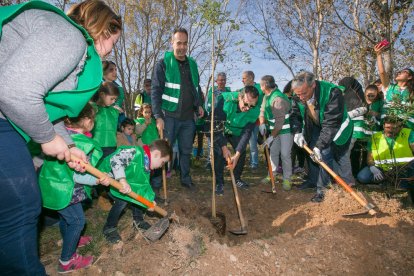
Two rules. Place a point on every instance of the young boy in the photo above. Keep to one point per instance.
(131, 166)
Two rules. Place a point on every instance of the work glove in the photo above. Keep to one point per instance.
(357, 112)
(262, 129)
(316, 155)
(378, 176)
(299, 139)
(268, 141)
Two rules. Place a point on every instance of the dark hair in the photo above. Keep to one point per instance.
(147, 81)
(375, 88)
(163, 146)
(109, 89)
(180, 30)
(378, 81)
(106, 64)
(141, 110)
(269, 82)
(392, 120)
(88, 112)
(251, 90)
(127, 122)
(288, 88)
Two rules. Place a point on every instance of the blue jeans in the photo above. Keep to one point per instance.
(219, 162)
(20, 206)
(183, 131)
(254, 151)
(116, 211)
(71, 224)
(365, 176)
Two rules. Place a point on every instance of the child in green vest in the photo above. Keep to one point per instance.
(106, 120)
(127, 136)
(63, 190)
(147, 132)
(146, 127)
(375, 107)
(131, 166)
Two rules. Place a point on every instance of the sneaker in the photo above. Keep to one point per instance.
(318, 198)
(219, 190)
(286, 185)
(84, 240)
(266, 180)
(75, 263)
(306, 185)
(141, 225)
(112, 235)
(242, 185)
(298, 170)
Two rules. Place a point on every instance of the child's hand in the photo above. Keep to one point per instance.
(125, 187)
(104, 180)
(152, 209)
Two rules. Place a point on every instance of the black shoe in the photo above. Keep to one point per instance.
(191, 187)
(306, 185)
(219, 190)
(112, 235)
(242, 185)
(319, 197)
(141, 225)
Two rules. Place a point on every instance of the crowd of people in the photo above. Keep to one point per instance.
(60, 96)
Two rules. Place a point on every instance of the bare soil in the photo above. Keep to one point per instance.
(287, 235)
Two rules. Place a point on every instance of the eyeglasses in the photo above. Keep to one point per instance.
(245, 104)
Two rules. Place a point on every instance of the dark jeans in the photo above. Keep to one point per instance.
(183, 131)
(116, 211)
(219, 162)
(298, 153)
(20, 206)
(365, 176)
(331, 154)
(72, 221)
(107, 151)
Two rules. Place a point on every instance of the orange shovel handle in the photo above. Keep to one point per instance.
(338, 179)
(98, 174)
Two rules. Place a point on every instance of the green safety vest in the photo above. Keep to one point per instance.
(60, 104)
(172, 89)
(381, 152)
(209, 97)
(346, 128)
(136, 176)
(236, 121)
(150, 133)
(121, 97)
(56, 178)
(106, 122)
(361, 130)
(268, 114)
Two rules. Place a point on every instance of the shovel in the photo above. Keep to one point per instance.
(270, 171)
(155, 231)
(243, 229)
(368, 206)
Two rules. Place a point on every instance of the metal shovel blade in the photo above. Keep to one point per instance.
(219, 223)
(156, 231)
(369, 207)
(242, 231)
(273, 191)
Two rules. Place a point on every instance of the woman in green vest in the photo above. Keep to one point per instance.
(64, 190)
(50, 67)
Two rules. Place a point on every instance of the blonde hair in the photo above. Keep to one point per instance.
(96, 17)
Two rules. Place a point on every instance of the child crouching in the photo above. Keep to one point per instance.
(131, 166)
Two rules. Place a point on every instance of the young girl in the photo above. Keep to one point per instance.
(63, 190)
(126, 137)
(375, 107)
(146, 128)
(106, 120)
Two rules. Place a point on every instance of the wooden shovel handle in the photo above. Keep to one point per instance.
(98, 174)
(269, 168)
(338, 179)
